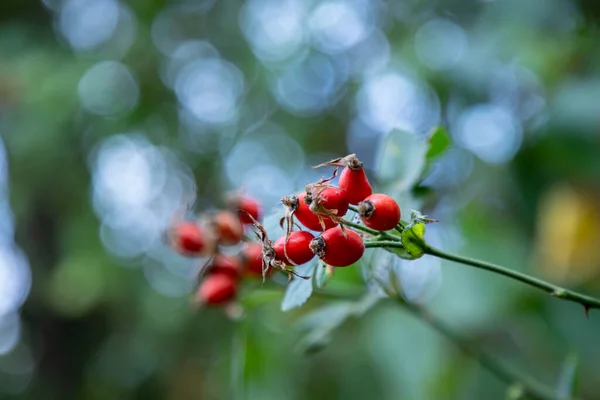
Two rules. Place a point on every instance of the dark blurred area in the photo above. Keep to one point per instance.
(115, 113)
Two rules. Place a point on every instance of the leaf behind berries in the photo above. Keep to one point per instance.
(439, 142)
(568, 378)
(299, 290)
(401, 161)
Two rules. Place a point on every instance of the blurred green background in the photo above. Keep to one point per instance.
(115, 113)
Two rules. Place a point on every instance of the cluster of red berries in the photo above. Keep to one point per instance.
(205, 236)
(319, 208)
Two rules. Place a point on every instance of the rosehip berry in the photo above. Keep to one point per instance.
(308, 218)
(225, 264)
(228, 228)
(189, 238)
(353, 181)
(217, 289)
(380, 212)
(297, 248)
(249, 205)
(338, 249)
(252, 259)
(329, 199)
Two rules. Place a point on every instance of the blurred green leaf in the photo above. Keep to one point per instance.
(568, 379)
(322, 322)
(323, 273)
(298, 290)
(439, 142)
(401, 162)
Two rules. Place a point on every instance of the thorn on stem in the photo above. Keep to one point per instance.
(586, 308)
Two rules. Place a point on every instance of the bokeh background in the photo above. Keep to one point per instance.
(115, 113)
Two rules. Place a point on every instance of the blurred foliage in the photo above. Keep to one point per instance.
(114, 114)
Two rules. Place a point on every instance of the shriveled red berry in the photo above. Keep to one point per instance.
(226, 264)
(249, 205)
(380, 212)
(189, 238)
(217, 289)
(252, 260)
(337, 249)
(228, 228)
(353, 181)
(297, 248)
(308, 218)
(330, 199)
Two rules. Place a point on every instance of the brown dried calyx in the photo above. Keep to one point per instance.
(350, 161)
(269, 256)
(366, 209)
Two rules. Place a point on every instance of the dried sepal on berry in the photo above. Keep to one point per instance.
(269, 256)
(338, 248)
(297, 208)
(380, 212)
(326, 201)
(353, 179)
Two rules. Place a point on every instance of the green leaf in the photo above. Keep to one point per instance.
(439, 142)
(413, 240)
(402, 253)
(401, 162)
(298, 290)
(330, 316)
(568, 378)
(321, 323)
(323, 274)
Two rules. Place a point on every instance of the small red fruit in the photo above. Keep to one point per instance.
(297, 248)
(252, 260)
(380, 212)
(217, 289)
(353, 180)
(189, 238)
(329, 199)
(228, 228)
(249, 205)
(225, 264)
(338, 249)
(308, 218)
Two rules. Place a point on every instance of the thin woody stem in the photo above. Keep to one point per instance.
(559, 292)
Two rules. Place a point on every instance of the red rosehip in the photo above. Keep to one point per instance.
(380, 212)
(308, 218)
(353, 181)
(337, 249)
(252, 260)
(225, 264)
(297, 248)
(189, 238)
(249, 205)
(217, 289)
(330, 199)
(228, 228)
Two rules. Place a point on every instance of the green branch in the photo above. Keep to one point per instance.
(370, 231)
(587, 302)
(530, 387)
(383, 243)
